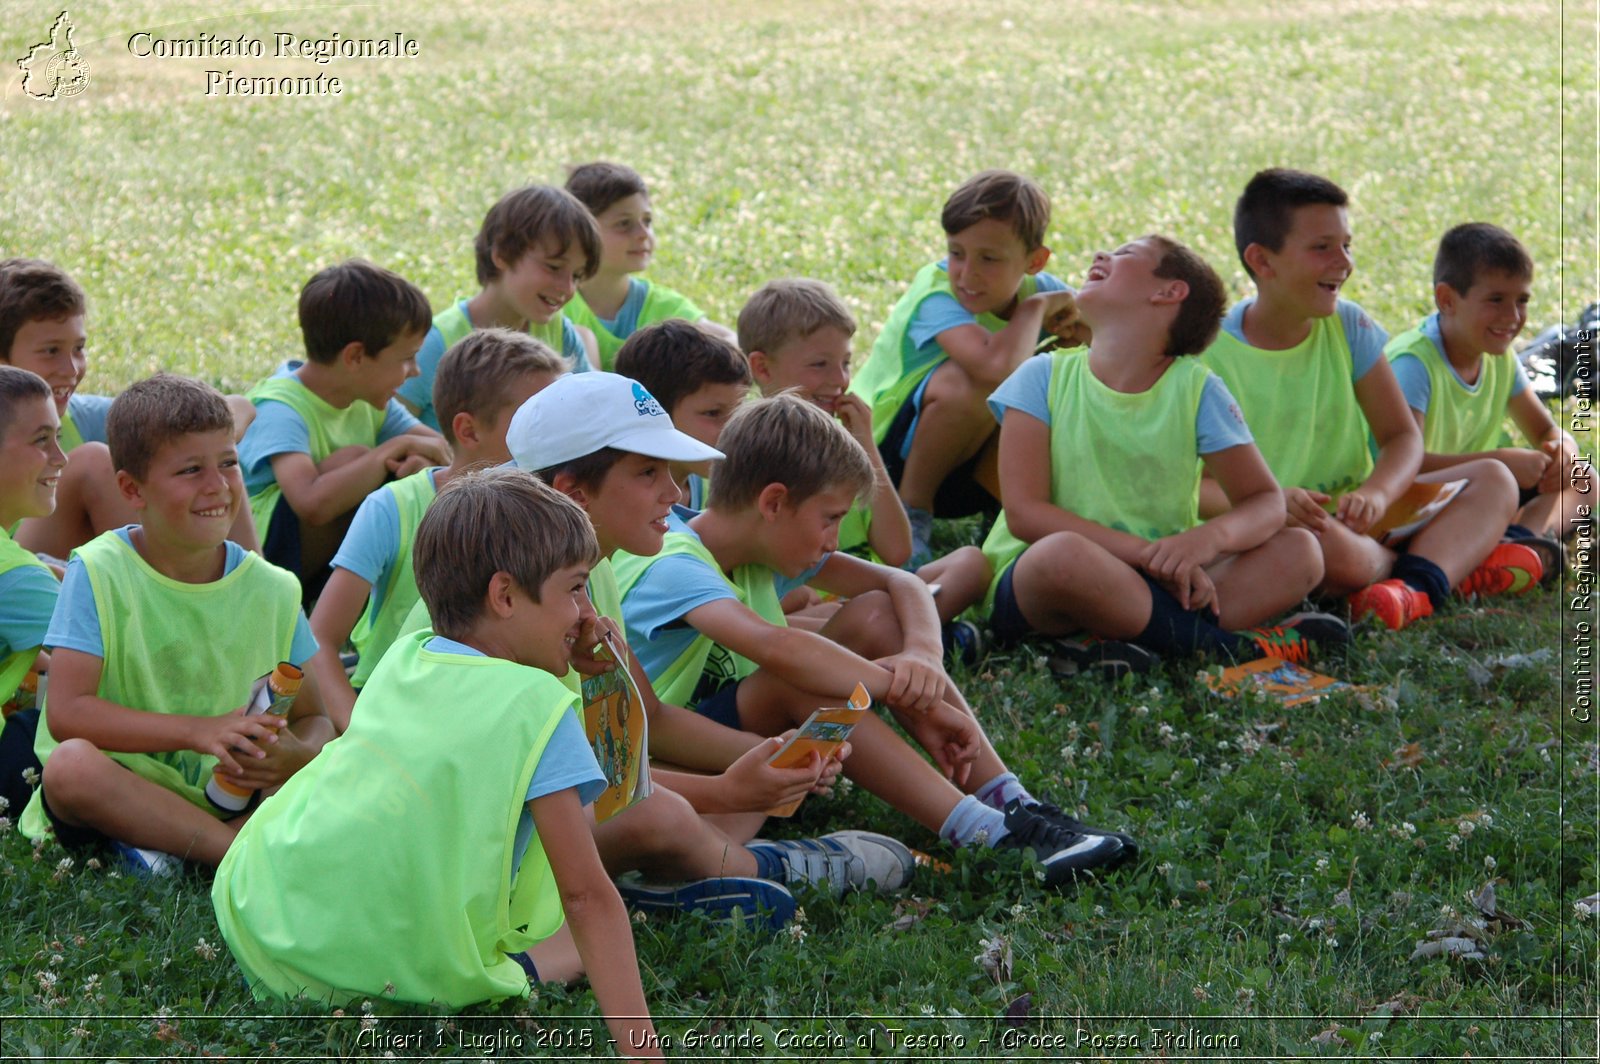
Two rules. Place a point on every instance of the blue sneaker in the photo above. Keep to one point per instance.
(145, 864)
(963, 642)
(728, 898)
(844, 860)
(921, 537)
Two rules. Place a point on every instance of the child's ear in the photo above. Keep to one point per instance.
(1174, 291)
(131, 490)
(1444, 297)
(1037, 258)
(771, 501)
(760, 367)
(465, 428)
(352, 354)
(567, 485)
(1255, 257)
(499, 598)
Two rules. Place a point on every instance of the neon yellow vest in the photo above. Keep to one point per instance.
(185, 649)
(70, 436)
(1460, 420)
(890, 375)
(387, 859)
(16, 665)
(454, 325)
(1126, 461)
(1301, 406)
(331, 429)
(752, 584)
(660, 304)
(376, 630)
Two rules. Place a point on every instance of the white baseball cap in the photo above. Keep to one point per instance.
(580, 413)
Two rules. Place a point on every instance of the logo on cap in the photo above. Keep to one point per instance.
(646, 403)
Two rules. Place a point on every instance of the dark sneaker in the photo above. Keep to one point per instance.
(1295, 638)
(729, 898)
(1130, 848)
(963, 642)
(1062, 852)
(1111, 658)
(844, 860)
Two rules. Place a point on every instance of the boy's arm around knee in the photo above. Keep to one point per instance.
(598, 920)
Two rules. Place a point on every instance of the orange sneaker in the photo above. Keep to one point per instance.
(1294, 639)
(1510, 569)
(1394, 602)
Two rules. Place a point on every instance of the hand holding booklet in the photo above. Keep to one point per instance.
(1412, 510)
(614, 721)
(823, 733)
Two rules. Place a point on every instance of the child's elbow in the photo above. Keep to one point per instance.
(894, 554)
(583, 902)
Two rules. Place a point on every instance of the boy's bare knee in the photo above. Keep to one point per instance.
(661, 825)
(1302, 554)
(72, 774)
(867, 625)
(951, 384)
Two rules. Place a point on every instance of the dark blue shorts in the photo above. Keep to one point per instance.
(722, 706)
(960, 495)
(1005, 618)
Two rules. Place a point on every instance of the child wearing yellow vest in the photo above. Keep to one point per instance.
(704, 618)
(612, 302)
(603, 440)
(1309, 375)
(698, 376)
(160, 631)
(441, 838)
(328, 431)
(481, 382)
(1460, 382)
(1101, 452)
(966, 323)
(31, 460)
(796, 333)
(534, 247)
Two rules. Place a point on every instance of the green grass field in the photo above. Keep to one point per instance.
(1293, 860)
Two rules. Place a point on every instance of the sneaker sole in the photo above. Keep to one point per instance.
(731, 898)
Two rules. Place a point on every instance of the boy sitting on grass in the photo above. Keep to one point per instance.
(1482, 281)
(1308, 372)
(481, 382)
(965, 324)
(607, 444)
(1100, 464)
(704, 618)
(452, 810)
(535, 245)
(31, 460)
(42, 316)
(796, 333)
(160, 630)
(698, 377)
(612, 302)
(328, 431)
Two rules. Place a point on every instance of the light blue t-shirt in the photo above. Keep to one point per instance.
(88, 412)
(27, 599)
(418, 391)
(1218, 423)
(627, 319)
(277, 430)
(1413, 375)
(568, 761)
(1365, 336)
(75, 624)
(371, 547)
(653, 608)
(941, 311)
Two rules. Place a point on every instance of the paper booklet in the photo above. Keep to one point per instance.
(1411, 512)
(823, 732)
(614, 720)
(1282, 681)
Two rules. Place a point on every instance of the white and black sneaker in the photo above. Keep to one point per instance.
(1050, 811)
(844, 860)
(1063, 852)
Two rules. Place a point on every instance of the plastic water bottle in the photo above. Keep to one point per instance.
(274, 699)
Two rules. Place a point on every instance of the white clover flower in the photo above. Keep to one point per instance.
(1333, 943)
(1141, 711)
(1201, 993)
(796, 932)
(5, 824)
(1284, 939)
(1359, 821)
(1490, 864)
(1453, 843)
(1322, 864)
(30, 776)
(1164, 867)
(206, 950)
(1099, 910)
